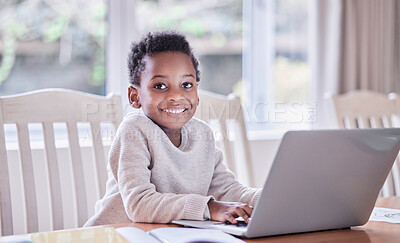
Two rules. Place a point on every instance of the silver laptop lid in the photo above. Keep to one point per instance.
(324, 180)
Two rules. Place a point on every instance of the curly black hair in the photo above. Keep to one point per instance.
(154, 43)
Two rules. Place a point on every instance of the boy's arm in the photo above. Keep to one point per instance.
(225, 187)
(130, 163)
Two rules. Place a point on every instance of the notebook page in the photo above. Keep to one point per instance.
(188, 235)
(136, 235)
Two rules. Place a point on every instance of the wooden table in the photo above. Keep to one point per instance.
(370, 232)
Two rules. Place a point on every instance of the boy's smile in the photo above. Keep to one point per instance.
(167, 91)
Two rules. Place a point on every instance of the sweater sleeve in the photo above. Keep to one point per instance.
(225, 187)
(130, 163)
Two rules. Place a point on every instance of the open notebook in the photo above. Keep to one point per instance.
(176, 235)
(125, 235)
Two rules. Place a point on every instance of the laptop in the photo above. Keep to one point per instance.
(319, 180)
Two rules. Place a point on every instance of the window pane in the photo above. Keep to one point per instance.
(49, 43)
(214, 30)
(276, 75)
(291, 69)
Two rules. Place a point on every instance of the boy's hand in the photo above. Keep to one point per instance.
(228, 211)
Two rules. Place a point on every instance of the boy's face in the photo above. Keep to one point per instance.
(168, 90)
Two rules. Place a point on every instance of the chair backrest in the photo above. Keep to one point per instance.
(49, 107)
(369, 109)
(225, 115)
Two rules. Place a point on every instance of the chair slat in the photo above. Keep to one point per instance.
(54, 176)
(246, 147)
(377, 121)
(341, 122)
(386, 120)
(28, 177)
(77, 168)
(6, 219)
(352, 123)
(118, 112)
(227, 147)
(365, 122)
(388, 186)
(396, 175)
(99, 157)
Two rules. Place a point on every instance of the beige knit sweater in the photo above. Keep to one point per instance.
(151, 180)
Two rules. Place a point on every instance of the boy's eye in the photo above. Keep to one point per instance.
(160, 86)
(187, 85)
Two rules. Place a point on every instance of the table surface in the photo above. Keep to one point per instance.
(370, 232)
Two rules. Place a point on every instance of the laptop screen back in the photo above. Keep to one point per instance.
(324, 180)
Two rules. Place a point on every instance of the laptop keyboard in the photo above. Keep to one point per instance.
(240, 224)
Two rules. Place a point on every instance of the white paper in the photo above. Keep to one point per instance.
(185, 235)
(16, 239)
(136, 235)
(389, 215)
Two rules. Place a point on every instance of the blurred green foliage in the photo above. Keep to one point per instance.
(85, 24)
(55, 29)
(192, 26)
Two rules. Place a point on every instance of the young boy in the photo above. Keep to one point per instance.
(164, 165)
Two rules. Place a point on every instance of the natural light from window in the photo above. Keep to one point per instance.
(255, 49)
(52, 44)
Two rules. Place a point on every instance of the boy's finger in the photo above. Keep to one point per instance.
(229, 217)
(247, 209)
(242, 213)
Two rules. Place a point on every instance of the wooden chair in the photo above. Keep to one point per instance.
(368, 109)
(225, 115)
(48, 107)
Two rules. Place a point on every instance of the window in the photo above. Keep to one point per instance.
(57, 44)
(213, 28)
(51, 44)
(276, 87)
(256, 49)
